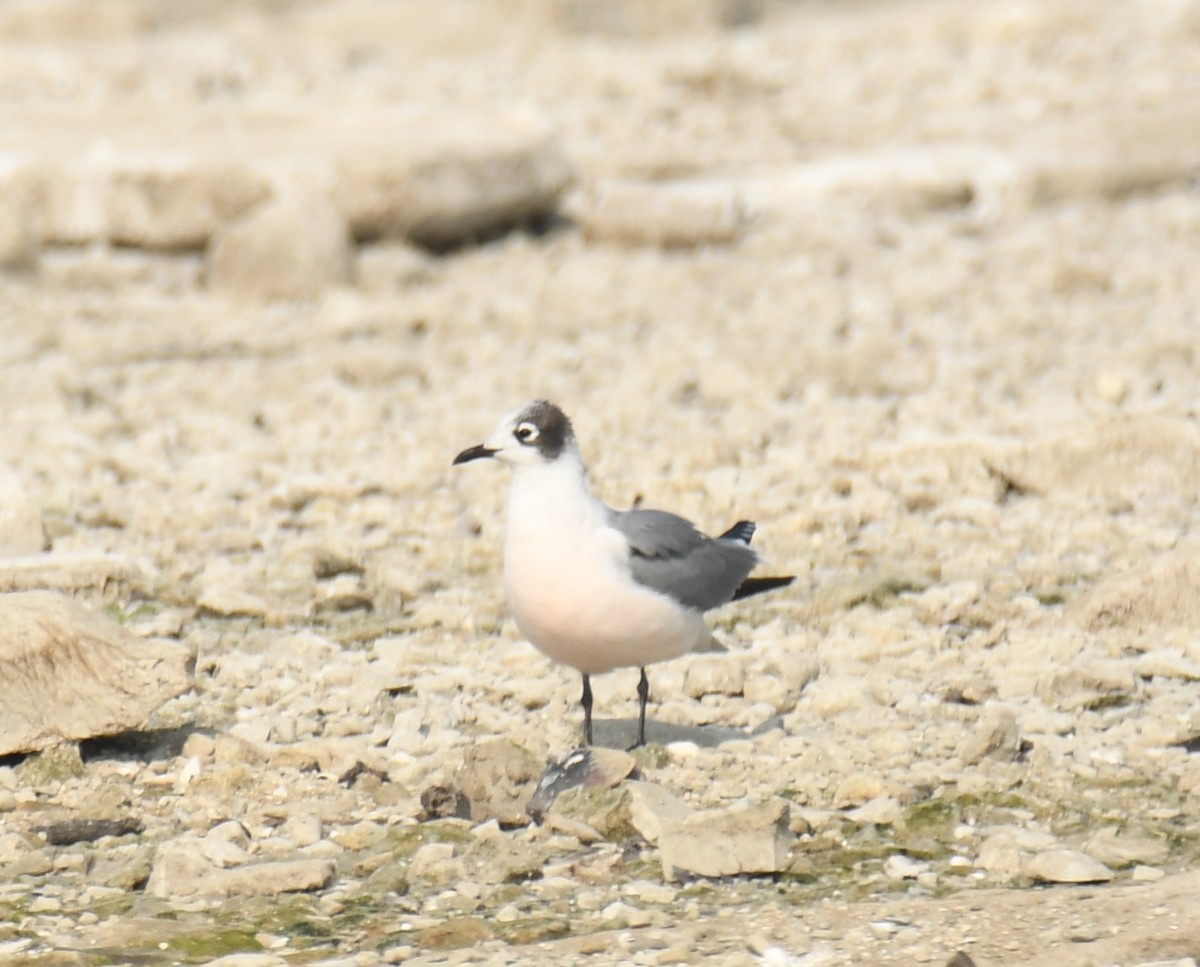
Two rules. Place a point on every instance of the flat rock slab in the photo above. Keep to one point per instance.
(70, 572)
(726, 842)
(68, 673)
(1067, 866)
(181, 870)
(422, 174)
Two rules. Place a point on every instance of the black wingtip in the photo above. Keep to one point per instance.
(742, 531)
(759, 585)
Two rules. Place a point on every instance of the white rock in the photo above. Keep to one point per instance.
(832, 695)
(1067, 866)
(652, 807)
(1000, 855)
(726, 842)
(714, 675)
(880, 811)
(431, 861)
(625, 914)
(303, 829)
(901, 867)
(181, 870)
(1168, 663)
(1146, 874)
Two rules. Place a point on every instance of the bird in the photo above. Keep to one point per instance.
(596, 588)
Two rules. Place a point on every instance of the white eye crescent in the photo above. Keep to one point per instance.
(526, 432)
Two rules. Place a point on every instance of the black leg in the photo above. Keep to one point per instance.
(643, 697)
(587, 709)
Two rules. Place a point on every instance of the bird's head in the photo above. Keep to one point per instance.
(537, 433)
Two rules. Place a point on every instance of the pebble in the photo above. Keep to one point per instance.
(901, 867)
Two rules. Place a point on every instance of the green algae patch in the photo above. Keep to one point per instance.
(404, 841)
(208, 946)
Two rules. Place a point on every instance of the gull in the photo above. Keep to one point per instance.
(596, 588)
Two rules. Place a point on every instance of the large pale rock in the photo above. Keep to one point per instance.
(1067, 866)
(1117, 850)
(68, 673)
(288, 248)
(181, 869)
(445, 181)
(435, 178)
(726, 842)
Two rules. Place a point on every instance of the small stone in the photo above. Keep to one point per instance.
(1146, 874)
(198, 746)
(652, 807)
(1067, 866)
(1168, 663)
(880, 811)
(901, 867)
(714, 675)
(649, 892)
(859, 789)
(1000, 855)
(727, 842)
(625, 915)
(360, 836)
(432, 863)
(769, 690)
(303, 829)
(1112, 387)
(996, 735)
(182, 870)
(498, 778)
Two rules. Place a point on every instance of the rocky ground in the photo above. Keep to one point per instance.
(913, 284)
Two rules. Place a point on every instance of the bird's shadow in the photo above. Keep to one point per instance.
(621, 733)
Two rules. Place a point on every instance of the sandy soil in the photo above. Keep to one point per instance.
(912, 284)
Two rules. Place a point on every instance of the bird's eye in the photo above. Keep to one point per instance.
(526, 432)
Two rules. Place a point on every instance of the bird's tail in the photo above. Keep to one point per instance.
(759, 585)
(742, 531)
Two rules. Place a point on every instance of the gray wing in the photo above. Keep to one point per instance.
(667, 554)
